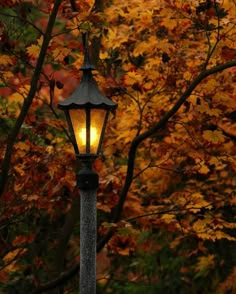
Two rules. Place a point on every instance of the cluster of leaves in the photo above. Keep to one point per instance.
(166, 201)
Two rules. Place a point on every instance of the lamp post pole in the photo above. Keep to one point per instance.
(87, 181)
(87, 111)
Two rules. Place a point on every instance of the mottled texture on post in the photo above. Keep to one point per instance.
(88, 236)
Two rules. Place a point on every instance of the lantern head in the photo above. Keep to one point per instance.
(87, 111)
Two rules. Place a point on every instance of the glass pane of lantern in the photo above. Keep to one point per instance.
(97, 117)
(78, 119)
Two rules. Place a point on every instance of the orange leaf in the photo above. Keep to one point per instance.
(204, 170)
(60, 53)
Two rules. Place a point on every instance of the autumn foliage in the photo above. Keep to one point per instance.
(166, 199)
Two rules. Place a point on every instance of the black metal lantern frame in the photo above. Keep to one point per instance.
(87, 111)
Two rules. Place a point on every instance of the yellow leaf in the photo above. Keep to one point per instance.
(12, 267)
(116, 37)
(11, 255)
(132, 77)
(103, 55)
(23, 146)
(175, 242)
(200, 225)
(221, 235)
(124, 252)
(211, 84)
(197, 199)
(205, 263)
(204, 108)
(204, 170)
(217, 163)
(6, 75)
(10, 259)
(170, 23)
(214, 112)
(19, 96)
(146, 46)
(33, 50)
(40, 41)
(224, 98)
(148, 85)
(169, 218)
(214, 137)
(5, 60)
(16, 97)
(187, 75)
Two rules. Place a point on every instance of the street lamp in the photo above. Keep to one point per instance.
(87, 111)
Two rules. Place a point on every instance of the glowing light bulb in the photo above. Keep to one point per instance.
(93, 136)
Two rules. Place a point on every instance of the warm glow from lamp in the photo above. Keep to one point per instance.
(93, 136)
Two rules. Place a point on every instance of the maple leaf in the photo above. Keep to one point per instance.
(116, 37)
(197, 199)
(6, 60)
(60, 53)
(169, 218)
(204, 108)
(205, 263)
(214, 137)
(34, 49)
(132, 77)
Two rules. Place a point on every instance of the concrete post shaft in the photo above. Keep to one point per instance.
(88, 236)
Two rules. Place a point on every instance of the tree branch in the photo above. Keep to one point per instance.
(161, 124)
(73, 5)
(58, 281)
(28, 101)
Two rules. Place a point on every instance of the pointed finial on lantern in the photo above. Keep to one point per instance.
(87, 65)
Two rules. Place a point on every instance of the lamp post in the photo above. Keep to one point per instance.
(87, 111)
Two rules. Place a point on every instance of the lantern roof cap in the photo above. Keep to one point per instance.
(87, 94)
